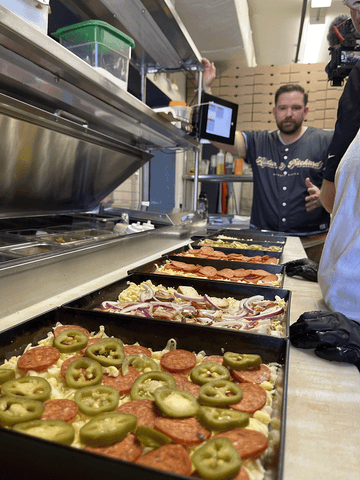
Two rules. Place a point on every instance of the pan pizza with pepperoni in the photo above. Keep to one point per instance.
(172, 410)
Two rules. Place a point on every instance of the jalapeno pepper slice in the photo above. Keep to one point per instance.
(217, 460)
(107, 428)
(70, 340)
(141, 362)
(222, 419)
(15, 410)
(54, 430)
(176, 403)
(83, 372)
(205, 372)
(97, 399)
(149, 437)
(107, 351)
(36, 388)
(220, 392)
(145, 385)
(6, 374)
(239, 361)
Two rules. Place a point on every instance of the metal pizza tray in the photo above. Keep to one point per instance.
(152, 266)
(111, 292)
(25, 457)
(227, 251)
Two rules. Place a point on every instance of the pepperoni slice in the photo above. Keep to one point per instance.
(67, 362)
(178, 361)
(122, 383)
(254, 375)
(171, 458)
(61, 328)
(128, 449)
(38, 359)
(242, 475)
(186, 431)
(60, 409)
(254, 398)
(137, 350)
(249, 443)
(213, 358)
(183, 383)
(144, 410)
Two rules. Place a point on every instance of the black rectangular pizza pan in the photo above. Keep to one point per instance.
(245, 252)
(247, 235)
(238, 291)
(27, 458)
(152, 266)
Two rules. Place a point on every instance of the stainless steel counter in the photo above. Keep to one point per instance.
(322, 439)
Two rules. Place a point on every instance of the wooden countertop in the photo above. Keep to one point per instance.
(323, 400)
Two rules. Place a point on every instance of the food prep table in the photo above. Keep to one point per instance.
(322, 420)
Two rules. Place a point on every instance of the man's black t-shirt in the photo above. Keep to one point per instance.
(279, 180)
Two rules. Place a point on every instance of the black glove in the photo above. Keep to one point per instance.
(331, 334)
(304, 267)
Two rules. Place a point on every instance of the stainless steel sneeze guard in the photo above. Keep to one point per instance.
(50, 164)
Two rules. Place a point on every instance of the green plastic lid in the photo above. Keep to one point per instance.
(94, 31)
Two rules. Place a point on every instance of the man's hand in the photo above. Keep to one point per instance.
(209, 73)
(312, 201)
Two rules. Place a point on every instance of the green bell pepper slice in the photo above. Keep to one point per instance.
(83, 372)
(238, 361)
(217, 459)
(107, 351)
(15, 410)
(205, 372)
(151, 438)
(97, 399)
(220, 393)
(107, 428)
(36, 388)
(222, 419)
(176, 403)
(6, 374)
(71, 340)
(54, 430)
(145, 385)
(143, 363)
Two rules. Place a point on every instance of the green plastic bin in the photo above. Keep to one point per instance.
(102, 46)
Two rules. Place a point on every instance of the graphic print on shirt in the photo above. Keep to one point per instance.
(263, 162)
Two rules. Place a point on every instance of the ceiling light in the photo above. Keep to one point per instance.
(314, 36)
(320, 3)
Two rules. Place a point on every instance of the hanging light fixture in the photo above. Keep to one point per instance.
(320, 3)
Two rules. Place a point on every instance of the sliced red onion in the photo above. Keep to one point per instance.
(186, 308)
(187, 298)
(136, 306)
(248, 301)
(270, 312)
(146, 294)
(145, 312)
(208, 299)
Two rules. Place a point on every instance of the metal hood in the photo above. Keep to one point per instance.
(51, 164)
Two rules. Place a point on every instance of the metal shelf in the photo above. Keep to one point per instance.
(220, 178)
(38, 69)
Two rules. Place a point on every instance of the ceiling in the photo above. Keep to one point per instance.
(255, 32)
